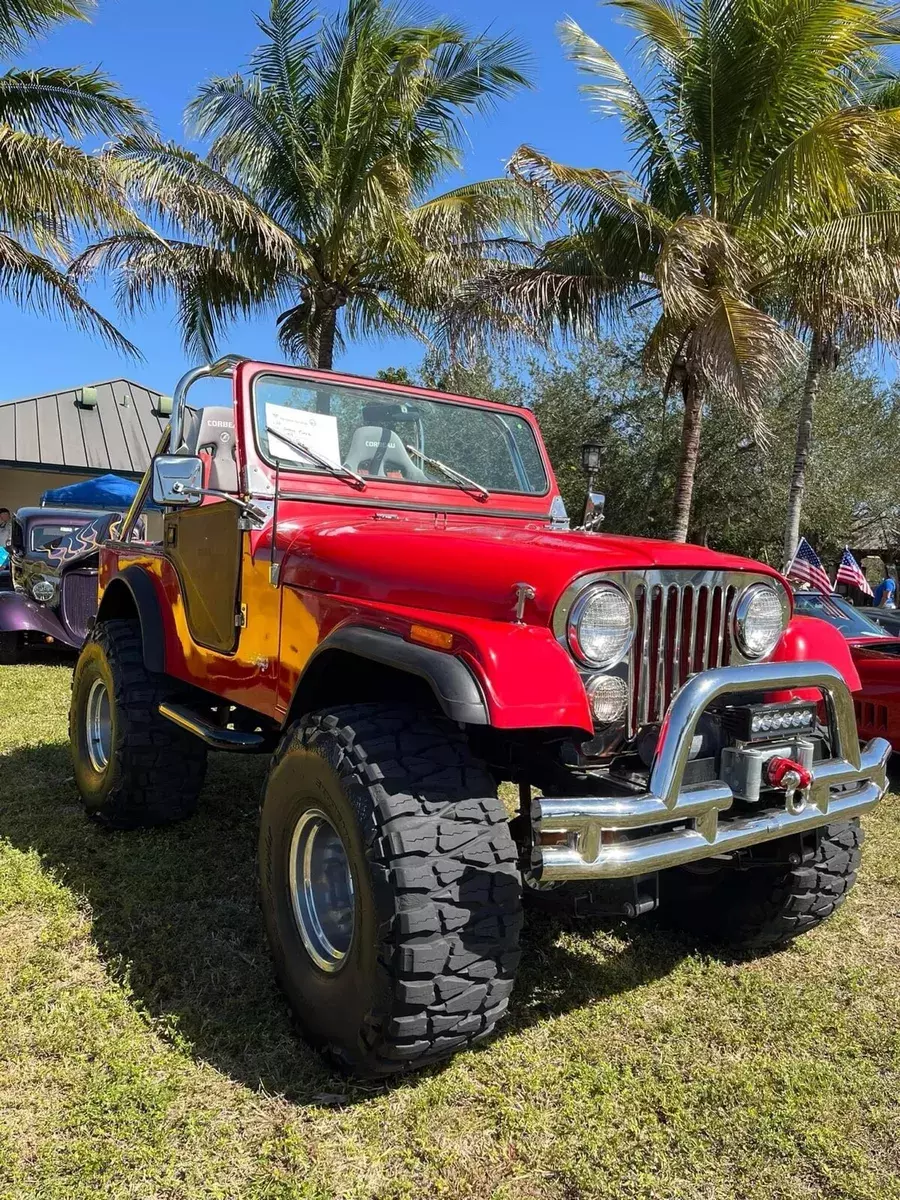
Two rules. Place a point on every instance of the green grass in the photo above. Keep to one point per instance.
(146, 1053)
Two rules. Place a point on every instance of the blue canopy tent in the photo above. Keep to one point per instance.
(109, 492)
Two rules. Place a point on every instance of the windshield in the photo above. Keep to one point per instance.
(382, 434)
(43, 536)
(839, 613)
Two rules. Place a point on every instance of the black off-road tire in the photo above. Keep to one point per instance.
(765, 907)
(437, 897)
(155, 770)
(10, 648)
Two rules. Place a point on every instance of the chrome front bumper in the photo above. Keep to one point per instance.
(842, 787)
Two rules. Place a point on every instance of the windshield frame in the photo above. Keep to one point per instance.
(382, 484)
(877, 631)
(60, 524)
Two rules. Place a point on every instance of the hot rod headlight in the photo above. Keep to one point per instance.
(601, 626)
(43, 589)
(759, 620)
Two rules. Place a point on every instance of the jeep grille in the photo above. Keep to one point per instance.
(682, 628)
(682, 625)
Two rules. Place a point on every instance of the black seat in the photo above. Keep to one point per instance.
(377, 450)
(209, 433)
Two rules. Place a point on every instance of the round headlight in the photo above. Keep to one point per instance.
(601, 626)
(759, 620)
(609, 697)
(43, 590)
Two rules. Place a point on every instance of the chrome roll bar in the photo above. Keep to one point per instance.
(693, 812)
(221, 367)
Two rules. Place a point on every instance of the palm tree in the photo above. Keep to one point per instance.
(315, 200)
(50, 190)
(731, 131)
(838, 275)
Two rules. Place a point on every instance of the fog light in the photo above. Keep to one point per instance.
(608, 695)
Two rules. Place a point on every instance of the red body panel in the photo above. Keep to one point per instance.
(807, 639)
(398, 553)
(878, 702)
(460, 565)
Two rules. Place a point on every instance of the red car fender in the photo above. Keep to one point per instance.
(808, 639)
(528, 679)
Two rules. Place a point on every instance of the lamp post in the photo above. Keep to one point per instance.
(594, 501)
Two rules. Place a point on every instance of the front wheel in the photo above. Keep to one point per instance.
(132, 766)
(769, 904)
(10, 647)
(389, 887)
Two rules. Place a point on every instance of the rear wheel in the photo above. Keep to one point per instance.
(767, 905)
(389, 887)
(132, 766)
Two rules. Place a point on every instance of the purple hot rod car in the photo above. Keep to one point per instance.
(53, 560)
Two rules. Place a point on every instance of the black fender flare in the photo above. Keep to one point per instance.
(453, 683)
(138, 584)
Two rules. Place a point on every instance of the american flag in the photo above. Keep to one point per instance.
(806, 567)
(851, 572)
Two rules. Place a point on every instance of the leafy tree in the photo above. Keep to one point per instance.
(839, 279)
(599, 392)
(50, 190)
(744, 116)
(315, 200)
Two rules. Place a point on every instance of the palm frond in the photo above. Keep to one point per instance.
(478, 210)
(660, 23)
(60, 100)
(828, 168)
(53, 191)
(616, 94)
(33, 282)
(740, 352)
(22, 20)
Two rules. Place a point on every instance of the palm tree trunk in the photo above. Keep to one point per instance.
(801, 452)
(325, 348)
(690, 453)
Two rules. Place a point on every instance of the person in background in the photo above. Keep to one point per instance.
(886, 593)
(5, 527)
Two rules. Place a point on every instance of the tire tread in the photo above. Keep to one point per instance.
(437, 836)
(160, 768)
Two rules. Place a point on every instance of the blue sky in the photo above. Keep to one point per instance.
(159, 50)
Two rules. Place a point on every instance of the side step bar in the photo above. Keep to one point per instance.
(215, 736)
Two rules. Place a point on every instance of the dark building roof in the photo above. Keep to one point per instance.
(112, 426)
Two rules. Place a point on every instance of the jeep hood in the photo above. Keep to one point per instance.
(469, 567)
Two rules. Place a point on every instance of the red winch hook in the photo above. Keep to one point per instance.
(787, 774)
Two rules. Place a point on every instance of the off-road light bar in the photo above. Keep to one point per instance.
(759, 722)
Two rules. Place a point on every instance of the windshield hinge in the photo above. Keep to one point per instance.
(240, 617)
(440, 520)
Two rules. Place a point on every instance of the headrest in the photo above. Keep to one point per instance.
(208, 427)
(211, 430)
(377, 450)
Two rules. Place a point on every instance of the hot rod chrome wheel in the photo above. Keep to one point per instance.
(98, 726)
(321, 887)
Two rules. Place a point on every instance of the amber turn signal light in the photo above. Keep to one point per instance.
(439, 638)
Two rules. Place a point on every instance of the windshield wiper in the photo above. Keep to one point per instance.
(458, 478)
(341, 471)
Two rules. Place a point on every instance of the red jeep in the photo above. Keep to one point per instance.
(377, 586)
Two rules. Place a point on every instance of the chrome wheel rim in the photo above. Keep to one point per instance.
(321, 886)
(98, 726)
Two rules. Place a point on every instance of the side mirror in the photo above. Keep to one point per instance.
(593, 512)
(177, 480)
(591, 455)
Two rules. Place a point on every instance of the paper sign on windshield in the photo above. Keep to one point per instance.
(319, 431)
